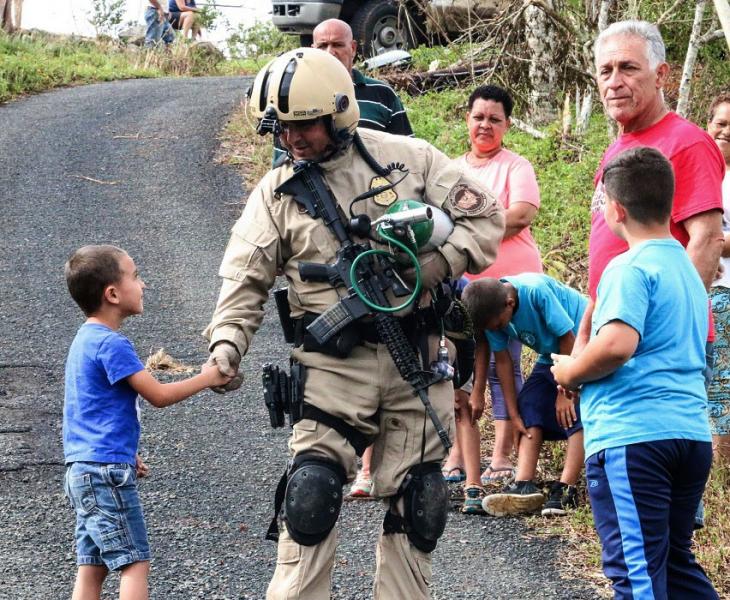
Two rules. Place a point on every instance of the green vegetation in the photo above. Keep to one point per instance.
(31, 63)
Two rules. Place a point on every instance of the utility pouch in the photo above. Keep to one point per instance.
(282, 307)
(284, 393)
(339, 345)
(297, 378)
(276, 393)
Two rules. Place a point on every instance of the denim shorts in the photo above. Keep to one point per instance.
(110, 527)
(536, 404)
(718, 394)
(157, 31)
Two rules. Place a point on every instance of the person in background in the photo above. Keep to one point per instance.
(513, 179)
(184, 16)
(631, 71)
(158, 27)
(643, 400)
(718, 126)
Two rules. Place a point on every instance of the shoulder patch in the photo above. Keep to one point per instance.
(385, 198)
(468, 200)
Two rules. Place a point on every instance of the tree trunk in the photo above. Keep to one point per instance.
(603, 14)
(722, 7)
(689, 60)
(542, 39)
(10, 14)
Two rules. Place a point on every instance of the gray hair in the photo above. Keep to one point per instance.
(649, 32)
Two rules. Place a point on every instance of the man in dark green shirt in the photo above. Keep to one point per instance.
(380, 107)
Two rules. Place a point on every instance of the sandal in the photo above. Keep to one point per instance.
(454, 475)
(505, 475)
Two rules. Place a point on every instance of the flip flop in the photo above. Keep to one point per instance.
(453, 475)
(501, 475)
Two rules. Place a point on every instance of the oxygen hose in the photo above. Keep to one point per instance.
(413, 258)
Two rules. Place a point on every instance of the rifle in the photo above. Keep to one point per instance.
(367, 274)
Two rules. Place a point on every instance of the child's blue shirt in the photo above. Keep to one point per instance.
(546, 311)
(100, 421)
(660, 392)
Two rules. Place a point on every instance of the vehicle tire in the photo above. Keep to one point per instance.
(305, 40)
(377, 28)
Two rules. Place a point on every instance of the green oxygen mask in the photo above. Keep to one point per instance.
(420, 226)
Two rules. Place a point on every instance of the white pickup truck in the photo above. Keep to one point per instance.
(381, 25)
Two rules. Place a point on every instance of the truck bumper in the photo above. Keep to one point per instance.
(301, 16)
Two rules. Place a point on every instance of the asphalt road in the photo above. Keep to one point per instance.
(131, 163)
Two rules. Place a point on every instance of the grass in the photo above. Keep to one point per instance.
(35, 62)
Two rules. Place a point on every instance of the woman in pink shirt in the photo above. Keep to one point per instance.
(512, 178)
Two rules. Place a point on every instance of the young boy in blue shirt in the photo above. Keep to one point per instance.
(643, 399)
(544, 315)
(101, 425)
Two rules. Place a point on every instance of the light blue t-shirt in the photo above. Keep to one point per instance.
(546, 311)
(100, 422)
(659, 393)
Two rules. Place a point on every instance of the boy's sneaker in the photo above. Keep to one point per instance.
(473, 496)
(362, 488)
(562, 498)
(518, 498)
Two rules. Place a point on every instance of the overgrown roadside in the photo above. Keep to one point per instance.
(33, 62)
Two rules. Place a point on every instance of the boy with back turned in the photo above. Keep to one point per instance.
(643, 401)
(101, 424)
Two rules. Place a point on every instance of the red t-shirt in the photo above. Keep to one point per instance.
(698, 172)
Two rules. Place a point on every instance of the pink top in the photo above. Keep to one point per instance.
(512, 178)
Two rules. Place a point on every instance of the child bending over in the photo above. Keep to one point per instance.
(544, 315)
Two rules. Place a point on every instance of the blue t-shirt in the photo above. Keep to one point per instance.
(100, 422)
(660, 392)
(546, 311)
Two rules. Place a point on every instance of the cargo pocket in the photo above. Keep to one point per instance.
(394, 440)
(288, 552)
(424, 568)
(303, 435)
(105, 528)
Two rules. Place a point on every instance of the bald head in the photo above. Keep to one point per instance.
(335, 36)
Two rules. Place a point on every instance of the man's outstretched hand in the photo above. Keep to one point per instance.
(225, 356)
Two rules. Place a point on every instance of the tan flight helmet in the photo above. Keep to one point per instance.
(304, 84)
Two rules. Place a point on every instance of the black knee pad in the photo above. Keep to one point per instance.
(313, 498)
(426, 506)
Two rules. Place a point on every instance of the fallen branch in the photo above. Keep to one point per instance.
(527, 128)
(99, 181)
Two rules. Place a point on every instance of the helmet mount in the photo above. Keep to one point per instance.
(305, 84)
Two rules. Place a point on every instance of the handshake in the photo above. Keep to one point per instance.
(225, 356)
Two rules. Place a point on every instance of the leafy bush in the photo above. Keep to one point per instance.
(260, 39)
(106, 16)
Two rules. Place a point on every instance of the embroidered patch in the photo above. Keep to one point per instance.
(528, 338)
(467, 200)
(385, 198)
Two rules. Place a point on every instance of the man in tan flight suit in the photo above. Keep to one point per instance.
(308, 96)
